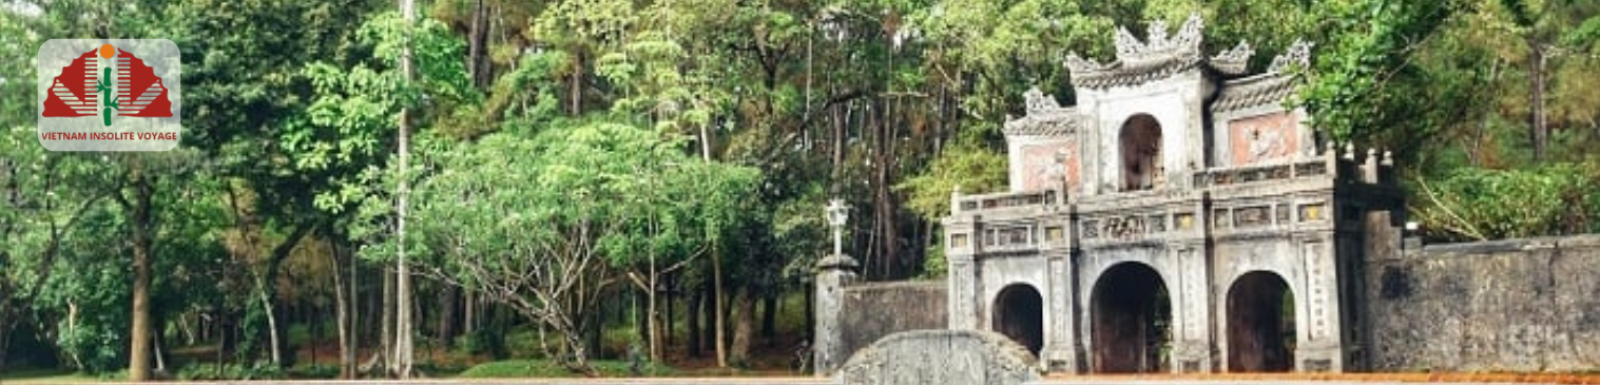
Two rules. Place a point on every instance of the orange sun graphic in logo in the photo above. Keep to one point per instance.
(106, 50)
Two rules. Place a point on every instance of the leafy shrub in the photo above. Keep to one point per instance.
(1482, 204)
(231, 372)
(547, 368)
(316, 371)
(517, 369)
(483, 341)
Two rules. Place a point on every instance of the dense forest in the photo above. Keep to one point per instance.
(590, 180)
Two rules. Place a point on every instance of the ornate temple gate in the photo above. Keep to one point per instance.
(1177, 219)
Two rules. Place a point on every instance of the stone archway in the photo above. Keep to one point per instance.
(1019, 314)
(1139, 144)
(1132, 318)
(1261, 334)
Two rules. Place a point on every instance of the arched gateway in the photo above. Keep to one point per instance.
(1179, 218)
(1019, 314)
(1260, 324)
(1132, 316)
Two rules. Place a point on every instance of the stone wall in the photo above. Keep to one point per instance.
(1516, 305)
(871, 311)
(948, 357)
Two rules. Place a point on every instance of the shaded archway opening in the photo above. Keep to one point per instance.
(1019, 314)
(1139, 144)
(1261, 334)
(1132, 318)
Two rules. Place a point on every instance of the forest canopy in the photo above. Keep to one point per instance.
(581, 169)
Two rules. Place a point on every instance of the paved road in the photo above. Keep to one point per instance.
(551, 381)
(1068, 381)
(1214, 379)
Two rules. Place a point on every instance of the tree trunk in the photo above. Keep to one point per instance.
(1475, 155)
(654, 319)
(672, 296)
(223, 328)
(694, 314)
(386, 337)
(591, 346)
(743, 329)
(312, 316)
(469, 317)
(575, 84)
(139, 353)
(268, 293)
(6, 319)
(477, 42)
(403, 324)
(155, 346)
(889, 237)
(811, 320)
(447, 315)
(716, 298)
(347, 357)
(1541, 133)
(769, 312)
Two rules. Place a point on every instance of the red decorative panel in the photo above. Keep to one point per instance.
(1263, 138)
(1043, 162)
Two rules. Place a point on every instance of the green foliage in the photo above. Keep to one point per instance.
(1586, 36)
(316, 371)
(483, 341)
(96, 336)
(616, 136)
(548, 369)
(1482, 204)
(350, 122)
(1358, 85)
(1003, 48)
(231, 372)
(565, 205)
(965, 167)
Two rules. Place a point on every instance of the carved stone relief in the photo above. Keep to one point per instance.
(1194, 285)
(1317, 303)
(1250, 216)
(1262, 138)
(1125, 227)
(1051, 166)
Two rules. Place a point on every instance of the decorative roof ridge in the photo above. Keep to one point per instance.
(1162, 56)
(1278, 83)
(1298, 55)
(1045, 117)
(1139, 61)
(1037, 102)
(1235, 61)
(1254, 91)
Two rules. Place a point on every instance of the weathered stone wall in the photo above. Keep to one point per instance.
(1517, 305)
(946, 357)
(871, 311)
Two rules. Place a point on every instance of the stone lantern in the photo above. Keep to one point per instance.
(833, 273)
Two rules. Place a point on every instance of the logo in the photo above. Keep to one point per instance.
(109, 95)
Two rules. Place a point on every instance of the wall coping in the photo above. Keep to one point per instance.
(900, 284)
(1518, 244)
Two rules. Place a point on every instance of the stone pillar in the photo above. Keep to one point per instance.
(1191, 309)
(1321, 345)
(1060, 353)
(964, 237)
(963, 291)
(1369, 167)
(833, 273)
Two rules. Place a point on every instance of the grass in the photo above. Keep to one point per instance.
(549, 369)
(52, 376)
